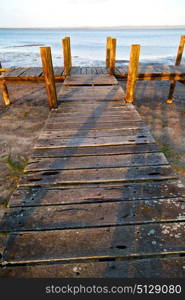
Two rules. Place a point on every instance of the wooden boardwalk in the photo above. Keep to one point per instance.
(98, 198)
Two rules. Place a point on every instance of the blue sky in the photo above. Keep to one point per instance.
(72, 13)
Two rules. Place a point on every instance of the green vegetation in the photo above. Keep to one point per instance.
(14, 166)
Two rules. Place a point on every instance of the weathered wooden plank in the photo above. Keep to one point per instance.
(151, 70)
(120, 241)
(169, 267)
(91, 94)
(92, 215)
(97, 193)
(96, 119)
(96, 114)
(3, 241)
(15, 72)
(58, 71)
(126, 160)
(90, 79)
(93, 126)
(87, 108)
(96, 141)
(93, 133)
(75, 70)
(100, 150)
(104, 175)
(32, 72)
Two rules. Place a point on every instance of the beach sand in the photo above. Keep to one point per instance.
(21, 123)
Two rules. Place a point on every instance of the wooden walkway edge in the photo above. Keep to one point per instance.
(98, 198)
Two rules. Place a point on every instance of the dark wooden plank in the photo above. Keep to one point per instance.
(97, 193)
(101, 150)
(32, 72)
(90, 79)
(93, 126)
(96, 141)
(72, 163)
(169, 267)
(93, 133)
(92, 215)
(121, 241)
(3, 240)
(106, 175)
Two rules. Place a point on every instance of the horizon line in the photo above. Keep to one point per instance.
(100, 27)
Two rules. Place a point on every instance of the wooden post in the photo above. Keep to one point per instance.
(67, 56)
(132, 73)
(69, 52)
(177, 63)
(47, 64)
(5, 94)
(112, 56)
(108, 46)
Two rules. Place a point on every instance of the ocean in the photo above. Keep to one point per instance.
(20, 47)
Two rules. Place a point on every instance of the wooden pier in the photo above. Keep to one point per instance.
(98, 198)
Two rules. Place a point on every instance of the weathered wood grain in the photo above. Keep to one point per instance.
(90, 79)
(96, 141)
(121, 241)
(126, 160)
(99, 150)
(169, 267)
(92, 215)
(93, 125)
(93, 133)
(33, 196)
(14, 72)
(32, 72)
(91, 94)
(104, 175)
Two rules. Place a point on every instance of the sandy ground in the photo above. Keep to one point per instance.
(20, 125)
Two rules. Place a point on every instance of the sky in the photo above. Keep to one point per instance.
(79, 13)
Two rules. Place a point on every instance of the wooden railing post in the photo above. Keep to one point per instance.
(47, 64)
(177, 63)
(5, 94)
(69, 52)
(66, 55)
(4, 89)
(112, 62)
(132, 73)
(108, 46)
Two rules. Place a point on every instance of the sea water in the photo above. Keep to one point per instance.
(20, 47)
